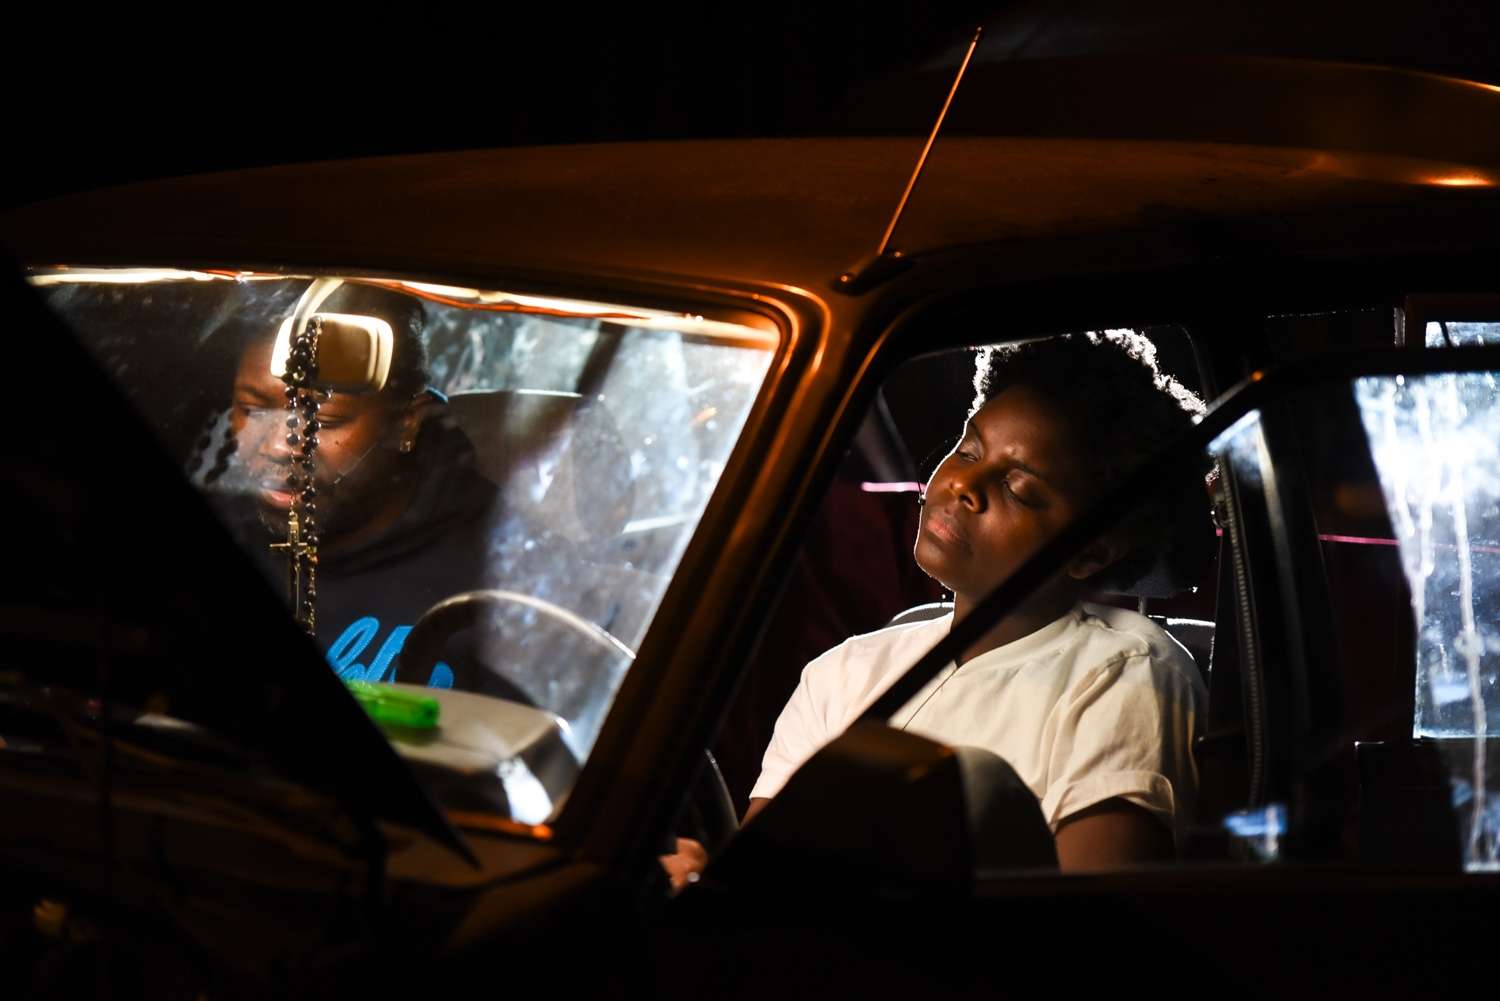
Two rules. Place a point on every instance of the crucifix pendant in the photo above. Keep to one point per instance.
(301, 545)
(301, 569)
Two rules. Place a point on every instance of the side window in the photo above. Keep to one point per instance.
(1347, 641)
(1397, 478)
(1435, 441)
(1004, 466)
(1448, 321)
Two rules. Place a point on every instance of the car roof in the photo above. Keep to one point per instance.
(1114, 195)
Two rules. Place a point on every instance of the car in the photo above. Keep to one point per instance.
(664, 446)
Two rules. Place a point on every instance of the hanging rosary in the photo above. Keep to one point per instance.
(301, 545)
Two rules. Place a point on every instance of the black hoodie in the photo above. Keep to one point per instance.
(369, 596)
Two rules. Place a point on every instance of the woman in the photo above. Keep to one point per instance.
(1094, 707)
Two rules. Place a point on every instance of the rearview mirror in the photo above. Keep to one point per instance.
(354, 352)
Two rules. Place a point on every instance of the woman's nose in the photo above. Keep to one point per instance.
(965, 486)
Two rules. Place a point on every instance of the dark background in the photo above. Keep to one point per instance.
(107, 98)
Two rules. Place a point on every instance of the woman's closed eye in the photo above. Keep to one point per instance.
(1023, 489)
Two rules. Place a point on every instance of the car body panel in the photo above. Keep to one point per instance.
(740, 210)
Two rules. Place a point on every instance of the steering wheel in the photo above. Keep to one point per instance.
(425, 643)
(710, 814)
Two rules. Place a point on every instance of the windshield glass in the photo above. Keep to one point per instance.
(471, 497)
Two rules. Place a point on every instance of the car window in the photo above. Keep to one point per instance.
(1371, 748)
(867, 598)
(491, 489)
(1434, 442)
(1457, 333)
(1400, 477)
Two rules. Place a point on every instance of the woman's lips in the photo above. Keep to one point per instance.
(945, 530)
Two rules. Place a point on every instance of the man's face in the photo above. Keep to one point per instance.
(1012, 482)
(350, 464)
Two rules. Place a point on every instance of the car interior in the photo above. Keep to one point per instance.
(1382, 790)
(1382, 793)
(855, 574)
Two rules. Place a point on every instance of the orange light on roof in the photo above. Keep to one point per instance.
(1462, 181)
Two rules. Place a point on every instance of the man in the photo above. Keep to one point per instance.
(404, 515)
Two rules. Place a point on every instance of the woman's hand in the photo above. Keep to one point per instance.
(684, 865)
(687, 863)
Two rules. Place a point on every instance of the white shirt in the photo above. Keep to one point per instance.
(1096, 705)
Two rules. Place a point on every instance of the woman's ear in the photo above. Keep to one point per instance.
(1099, 555)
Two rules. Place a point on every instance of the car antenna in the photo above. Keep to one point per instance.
(887, 262)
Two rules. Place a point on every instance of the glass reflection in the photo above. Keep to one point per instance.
(501, 517)
(1436, 445)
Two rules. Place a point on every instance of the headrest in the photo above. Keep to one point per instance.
(557, 457)
(402, 312)
(1183, 564)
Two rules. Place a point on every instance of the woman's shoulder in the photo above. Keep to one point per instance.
(901, 644)
(849, 676)
(1147, 648)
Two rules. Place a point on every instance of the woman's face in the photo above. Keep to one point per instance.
(1013, 480)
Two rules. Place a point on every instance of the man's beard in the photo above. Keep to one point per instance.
(331, 512)
(344, 501)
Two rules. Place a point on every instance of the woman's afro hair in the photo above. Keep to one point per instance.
(1120, 408)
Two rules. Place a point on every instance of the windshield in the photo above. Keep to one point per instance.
(473, 500)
